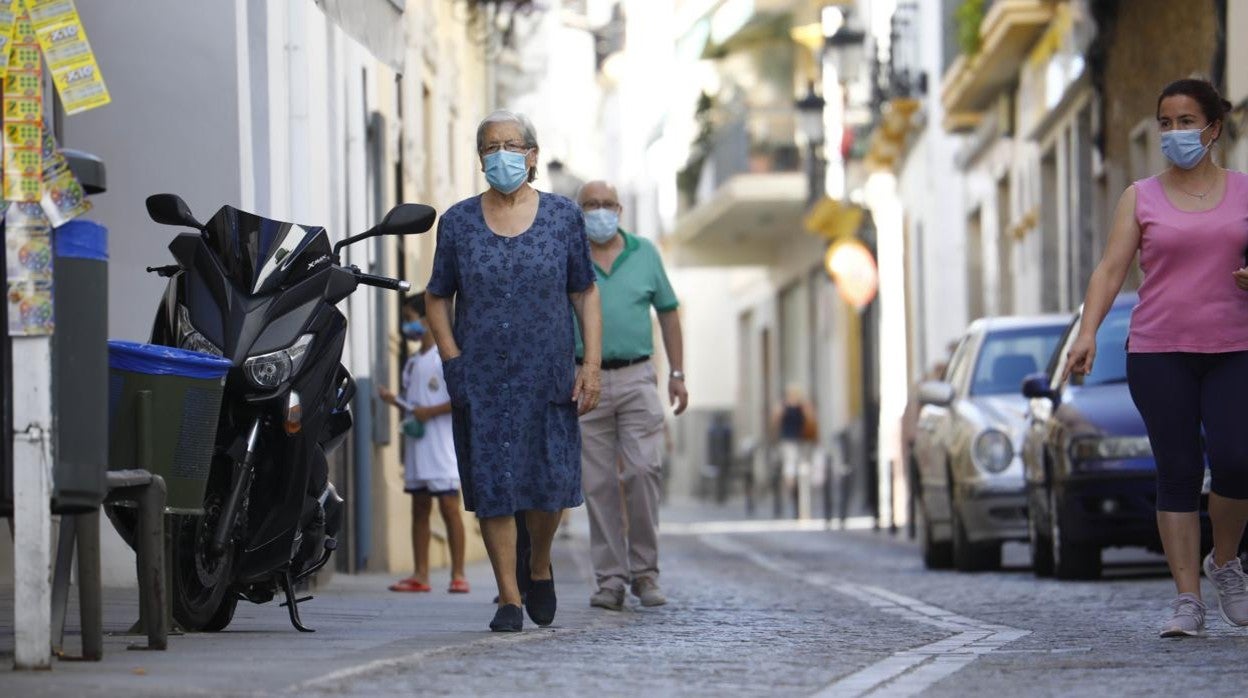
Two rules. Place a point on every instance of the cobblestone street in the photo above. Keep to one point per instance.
(770, 612)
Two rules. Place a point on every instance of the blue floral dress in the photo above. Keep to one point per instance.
(516, 431)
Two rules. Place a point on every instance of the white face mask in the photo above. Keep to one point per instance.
(601, 224)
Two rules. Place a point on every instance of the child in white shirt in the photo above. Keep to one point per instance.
(430, 468)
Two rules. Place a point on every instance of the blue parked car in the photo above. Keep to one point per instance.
(1089, 470)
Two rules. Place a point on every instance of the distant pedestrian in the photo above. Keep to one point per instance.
(624, 436)
(1187, 361)
(516, 263)
(430, 470)
(795, 427)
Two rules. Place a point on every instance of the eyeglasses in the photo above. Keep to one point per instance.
(509, 146)
(594, 205)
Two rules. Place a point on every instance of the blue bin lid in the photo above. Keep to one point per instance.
(82, 239)
(157, 360)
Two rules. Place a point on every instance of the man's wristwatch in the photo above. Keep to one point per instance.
(677, 375)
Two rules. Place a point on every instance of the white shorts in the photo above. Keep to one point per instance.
(435, 487)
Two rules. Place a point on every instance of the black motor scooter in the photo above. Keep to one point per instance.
(262, 293)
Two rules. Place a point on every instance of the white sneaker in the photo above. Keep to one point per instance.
(1232, 588)
(1187, 617)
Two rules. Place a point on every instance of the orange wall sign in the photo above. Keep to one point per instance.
(852, 267)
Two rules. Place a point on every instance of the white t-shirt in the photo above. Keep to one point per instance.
(428, 462)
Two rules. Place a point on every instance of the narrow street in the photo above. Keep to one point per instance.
(769, 612)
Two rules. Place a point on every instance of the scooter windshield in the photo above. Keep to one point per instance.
(260, 254)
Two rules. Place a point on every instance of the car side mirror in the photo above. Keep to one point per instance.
(170, 209)
(1037, 385)
(937, 393)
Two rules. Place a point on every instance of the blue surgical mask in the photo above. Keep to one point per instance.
(413, 329)
(601, 224)
(1184, 148)
(506, 171)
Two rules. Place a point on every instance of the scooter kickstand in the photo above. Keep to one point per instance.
(292, 604)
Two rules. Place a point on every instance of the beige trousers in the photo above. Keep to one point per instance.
(621, 457)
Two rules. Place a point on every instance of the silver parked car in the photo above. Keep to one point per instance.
(970, 489)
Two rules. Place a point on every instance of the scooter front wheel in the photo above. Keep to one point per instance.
(200, 578)
(223, 616)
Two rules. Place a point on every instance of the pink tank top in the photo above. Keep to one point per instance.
(1188, 300)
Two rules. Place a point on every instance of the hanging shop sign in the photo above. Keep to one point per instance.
(852, 267)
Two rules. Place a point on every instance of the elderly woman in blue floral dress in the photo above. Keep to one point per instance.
(516, 262)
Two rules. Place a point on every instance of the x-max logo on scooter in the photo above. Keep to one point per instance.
(319, 260)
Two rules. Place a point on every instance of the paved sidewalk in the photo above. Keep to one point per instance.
(359, 624)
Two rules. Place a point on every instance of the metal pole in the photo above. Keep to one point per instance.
(32, 510)
(90, 601)
(892, 495)
(6, 398)
(152, 564)
(155, 541)
(60, 581)
(812, 174)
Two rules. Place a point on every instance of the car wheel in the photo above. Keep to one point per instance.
(1041, 544)
(968, 556)
(1070, 560)
(936, 555)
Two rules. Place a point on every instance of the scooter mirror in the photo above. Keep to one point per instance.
(170, 209)
(407, 219)
(404, 219)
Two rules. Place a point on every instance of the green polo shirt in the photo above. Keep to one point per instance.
(635, 283)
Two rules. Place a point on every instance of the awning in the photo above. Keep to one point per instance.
(376, 24)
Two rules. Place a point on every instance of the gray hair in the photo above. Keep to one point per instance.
(502, 116)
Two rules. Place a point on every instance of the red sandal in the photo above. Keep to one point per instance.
(410, 584)
(458, 586)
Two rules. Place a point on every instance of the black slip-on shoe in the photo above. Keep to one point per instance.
(495, 599)
(540, 602)
(508, 619)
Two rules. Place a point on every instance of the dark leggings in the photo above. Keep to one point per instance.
(1178, 393)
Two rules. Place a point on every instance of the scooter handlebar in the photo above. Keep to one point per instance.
(383, 282)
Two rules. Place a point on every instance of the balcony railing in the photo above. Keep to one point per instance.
(995, 38)
(754, 141)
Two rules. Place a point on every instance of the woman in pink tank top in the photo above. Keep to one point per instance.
(1187, 361)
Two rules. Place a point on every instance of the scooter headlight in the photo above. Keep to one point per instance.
(190, 338)
(272, 369)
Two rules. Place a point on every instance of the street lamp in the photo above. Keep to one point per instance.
(841, 62)
(810, 124)
(845, 48)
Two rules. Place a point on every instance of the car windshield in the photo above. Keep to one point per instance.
(1008, 356)
(1110, 365)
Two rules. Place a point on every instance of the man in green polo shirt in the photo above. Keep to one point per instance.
(622, 439)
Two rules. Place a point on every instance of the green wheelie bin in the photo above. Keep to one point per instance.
(163, 405)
